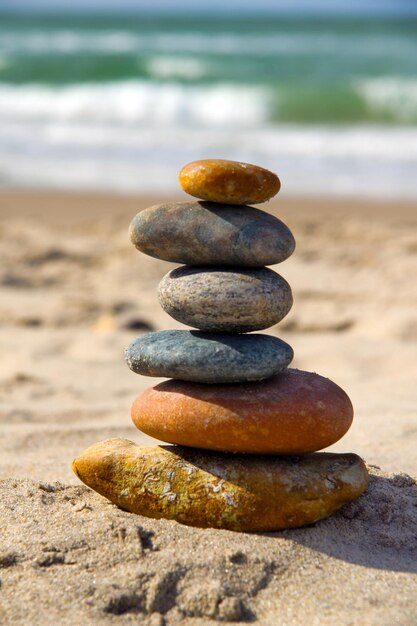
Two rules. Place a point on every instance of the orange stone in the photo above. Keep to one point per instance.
(291, 413)
(228, 182)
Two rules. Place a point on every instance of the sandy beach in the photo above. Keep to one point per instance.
(74, 293)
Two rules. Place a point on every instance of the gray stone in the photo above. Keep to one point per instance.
(208, 358)
(225, 300)
(206, 233)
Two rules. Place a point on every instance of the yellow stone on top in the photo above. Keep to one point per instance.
(228, 182)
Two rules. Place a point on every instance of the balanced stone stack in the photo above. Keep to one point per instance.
(246, 427)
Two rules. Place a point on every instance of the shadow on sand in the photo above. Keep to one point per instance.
(377, 530)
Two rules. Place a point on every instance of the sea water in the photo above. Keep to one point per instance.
(121, 102)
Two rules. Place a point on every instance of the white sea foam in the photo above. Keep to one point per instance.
(132, 136)
(66, 41)
(171, 67)
(69, 42)
(95, 112)
(365, 161)
(391, 95)
(136, 102)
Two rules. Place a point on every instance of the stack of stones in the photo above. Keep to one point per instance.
(229, 391)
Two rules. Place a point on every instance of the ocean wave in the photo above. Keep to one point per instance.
(180, 67)
(150, 102)
(196, 91)
(356, 161)
(68, 42)
(391, 96)
(137, 103)
(118, 104)
(4, 61)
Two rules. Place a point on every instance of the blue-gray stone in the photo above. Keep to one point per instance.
(207, 233)
(207, 357)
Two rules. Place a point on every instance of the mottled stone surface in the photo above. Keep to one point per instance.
(291, 413)
(206, 233)
(225, 300)
(237, 492)
(207, 357)
(229, 182)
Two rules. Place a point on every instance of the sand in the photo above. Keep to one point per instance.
(74, 293)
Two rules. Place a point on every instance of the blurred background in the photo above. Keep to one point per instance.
(117, 95)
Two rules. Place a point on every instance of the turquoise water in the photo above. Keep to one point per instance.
(102, 95)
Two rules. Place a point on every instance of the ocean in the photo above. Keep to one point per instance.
(120, 103)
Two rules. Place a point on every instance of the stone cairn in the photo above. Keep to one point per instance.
(246, 427)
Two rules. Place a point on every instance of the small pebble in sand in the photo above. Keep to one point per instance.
(292, 413)
(222, 300)
(229, 182)
(236, 492)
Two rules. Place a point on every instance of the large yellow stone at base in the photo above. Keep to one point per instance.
(237, 492)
